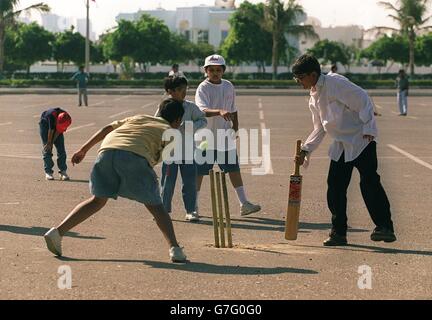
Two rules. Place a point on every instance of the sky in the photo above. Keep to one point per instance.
(366, 13)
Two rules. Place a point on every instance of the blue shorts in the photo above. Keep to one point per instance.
(119, 173)
(226, 160)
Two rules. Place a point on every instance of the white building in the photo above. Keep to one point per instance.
(55, 23)
(348, 35)
(81, 27)
(198, 24)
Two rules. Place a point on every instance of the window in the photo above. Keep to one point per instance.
(186, 34)
(202, 36)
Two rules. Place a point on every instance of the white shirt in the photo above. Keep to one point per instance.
(197, 120)
(344, 111)
(175, 74)
(217, 96)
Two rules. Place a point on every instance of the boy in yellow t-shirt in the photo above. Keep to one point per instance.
(124, 167)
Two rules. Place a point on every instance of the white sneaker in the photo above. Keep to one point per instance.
(49, 176)
(64, 176)
(192, 216)
(249, 208)
(177, 254)
(53, 241)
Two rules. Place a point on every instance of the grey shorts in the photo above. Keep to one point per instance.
(119, 173)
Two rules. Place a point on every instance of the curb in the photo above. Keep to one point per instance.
(239, 91)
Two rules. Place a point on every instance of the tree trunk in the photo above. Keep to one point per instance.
(2, 43)
(411, 37)
(275, 55)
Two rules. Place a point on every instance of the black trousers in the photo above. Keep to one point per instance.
(373, 193)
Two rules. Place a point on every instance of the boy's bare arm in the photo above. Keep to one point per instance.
(50, 141)
(234, 118)
(217, 112)
(97, 137)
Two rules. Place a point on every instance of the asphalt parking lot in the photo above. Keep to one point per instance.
(120, 254)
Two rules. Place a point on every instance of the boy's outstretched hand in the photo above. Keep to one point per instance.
(78, 157)
(225, 114)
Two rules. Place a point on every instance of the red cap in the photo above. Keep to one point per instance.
(63, 122)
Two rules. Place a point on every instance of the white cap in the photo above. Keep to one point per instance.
(214, 60)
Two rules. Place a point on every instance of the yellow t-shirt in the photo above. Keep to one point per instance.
(140, 134)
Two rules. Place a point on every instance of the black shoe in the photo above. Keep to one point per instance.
(383, 234)
(335, 240)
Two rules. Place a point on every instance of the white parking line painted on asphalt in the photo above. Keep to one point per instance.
(120, 113)
(5, 123)
(410, 156)
(261, 115)
(37, 105)
(260, 104)
(96, 104)
(80, 127)
(412, 117)
(149, 104)
(122, 97)
(9, 203)
(378, 106)
(267, 167)
(36, 116)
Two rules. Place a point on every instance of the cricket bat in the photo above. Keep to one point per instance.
(294, 199)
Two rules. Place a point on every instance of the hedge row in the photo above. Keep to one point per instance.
(193, 83)
(197, 76)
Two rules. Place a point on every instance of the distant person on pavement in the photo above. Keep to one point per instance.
(333, 69)
(402, 85)
(174, 72)
(81, 78)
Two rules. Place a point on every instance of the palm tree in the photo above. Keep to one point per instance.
(8, 15)
(280, 20)
(409, 15)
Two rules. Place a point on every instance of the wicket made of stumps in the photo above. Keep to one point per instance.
(218, 182)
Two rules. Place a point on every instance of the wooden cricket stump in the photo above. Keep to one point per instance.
(220, 209)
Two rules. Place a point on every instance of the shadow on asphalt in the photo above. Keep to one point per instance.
(375, 249)
(200, 267)
(267, 223)
(40, 231)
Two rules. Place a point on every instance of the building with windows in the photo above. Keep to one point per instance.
(198, 24)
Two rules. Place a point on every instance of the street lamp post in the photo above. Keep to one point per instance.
(87, 43)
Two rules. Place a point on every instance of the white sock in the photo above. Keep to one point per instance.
(241, 194)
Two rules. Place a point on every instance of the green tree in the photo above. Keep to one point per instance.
(423, 50)
(96, 53)
(410, 15)
(388, 49)
(69, 46)
(247, 41)
(181, 49)
(32, 43)
(8, 16)
(154, 44)
(330, 51)
(121, 42)
(280, 20)
(200, 51)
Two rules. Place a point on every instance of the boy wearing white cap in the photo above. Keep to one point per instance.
(216, 97)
